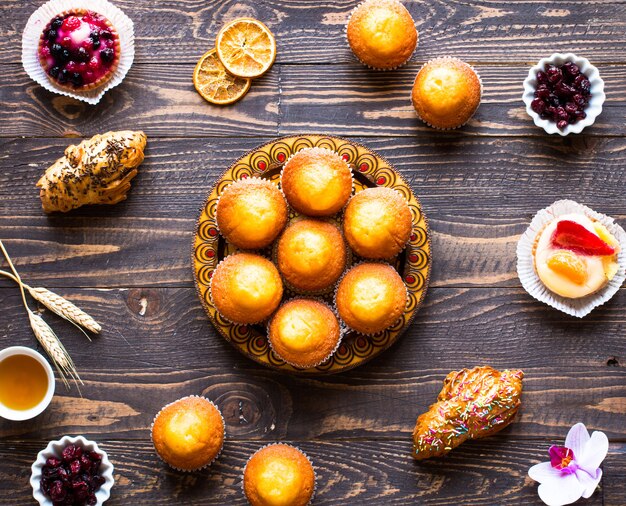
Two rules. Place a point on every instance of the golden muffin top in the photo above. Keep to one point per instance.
(311, 254)
(251, 213)
(377, 222)
(371, 297)
(304, 332)
(246, 288)
(382, 33)
(317, 182)
(569, 272)
(279, 475)
(446, 92)
(188, 433)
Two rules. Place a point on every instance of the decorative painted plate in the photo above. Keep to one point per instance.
(369, 170)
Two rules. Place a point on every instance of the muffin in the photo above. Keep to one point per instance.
(279, 475)
(304, 332)
(246, 288)
(251, 213)
(377, 223)
(188, 434)
(382, 34)
(311, 255)
(79, 50)
(370, 297)
(316, 182)
(446, 93)
(575, 256)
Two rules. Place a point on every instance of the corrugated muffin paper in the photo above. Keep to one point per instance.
(526, 269)
(42, 16)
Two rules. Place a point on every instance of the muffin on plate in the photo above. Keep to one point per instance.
(246, 288)
(188, 434)
(304, 332)
(575, 256)
(371, 297)
(316, 182)
(446, 93)
(279, 475)
(382, 34)
(79, 50)
(251, 213)
(311, 255)
(377, 222)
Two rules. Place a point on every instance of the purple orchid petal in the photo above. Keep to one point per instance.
(594, 453)
(562, 490)
(589, 482)
(577, 438)
(543, 472)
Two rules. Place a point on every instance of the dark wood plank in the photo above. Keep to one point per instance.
(376, 472)
(315, 32)
(342, 99)
(157, 345)
(461, 181)
(159, 99)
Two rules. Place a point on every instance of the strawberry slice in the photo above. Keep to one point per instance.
(574, 237)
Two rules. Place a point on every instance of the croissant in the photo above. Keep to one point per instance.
(97, 171)
(473, 403)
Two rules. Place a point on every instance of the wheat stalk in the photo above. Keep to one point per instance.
(45, 335)
(59, 305)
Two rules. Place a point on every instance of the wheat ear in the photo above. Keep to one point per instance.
(59, 305)
(45, 335)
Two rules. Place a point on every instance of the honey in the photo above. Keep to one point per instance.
(23, 382)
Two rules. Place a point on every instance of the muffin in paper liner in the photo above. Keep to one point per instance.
(366, 64)
(42, 16)
(211, 290)
(218, 453)
(323, 291)
(265, 182)
(526, 265)
(481, 92)
(346, 327)
(318, 149)
(342, 331)
(243, 472)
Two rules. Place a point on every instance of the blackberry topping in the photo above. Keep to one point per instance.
(106, 55)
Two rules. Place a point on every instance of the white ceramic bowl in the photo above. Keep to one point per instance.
(55, 448)
(27, 414)
(593, 109)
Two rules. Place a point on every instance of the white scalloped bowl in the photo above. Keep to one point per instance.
(593, 109)
(55, 448)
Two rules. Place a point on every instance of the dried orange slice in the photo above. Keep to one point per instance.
(246, 47)
(215, 84)
(569, 265)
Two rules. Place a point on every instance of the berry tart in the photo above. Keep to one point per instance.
(79, 50)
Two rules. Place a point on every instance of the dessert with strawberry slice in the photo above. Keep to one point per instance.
(575, 256)
(79, 50)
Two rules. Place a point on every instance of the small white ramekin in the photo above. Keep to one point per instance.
(593, 109)
(27, 414)
(54, 449)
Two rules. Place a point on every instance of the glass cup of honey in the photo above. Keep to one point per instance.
(26, 383)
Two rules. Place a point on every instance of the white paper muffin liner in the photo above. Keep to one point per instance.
(342, 332)
(218, 453)
(323, 291)
(243, 473)
(526, 265)
(368, 65)
(265, 182)
(481, 91)
(346, 326)
(211, 292)
(326, 150)
(42, 16)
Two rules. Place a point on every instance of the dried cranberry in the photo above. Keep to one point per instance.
(571, 68)
(563, 90)
(554, 74)
(542, 78)
(571, 108)
(57, 491)
(53, 462)
(75, 467)
(91, 500)
(562, 124)
(581, 114)
(538, 105)
(542, 92)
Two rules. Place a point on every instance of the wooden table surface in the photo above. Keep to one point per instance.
(129, 265)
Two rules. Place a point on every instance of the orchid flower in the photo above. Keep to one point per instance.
(574, 469)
